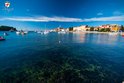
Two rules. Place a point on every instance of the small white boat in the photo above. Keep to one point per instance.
(26, 32)
(18, 32)
(45, 32)
(23, 33)
(62, 32)
(11, 30)
(5, 34)
(39, 32)
(113, 33)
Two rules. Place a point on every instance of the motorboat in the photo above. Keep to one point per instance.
(23, 33)
(2, 39)
(5, 34)
(11, 30)
(62, 32)
(122, 34)
(39, 32)
(18, 32)
(45, 32)
(26, 32)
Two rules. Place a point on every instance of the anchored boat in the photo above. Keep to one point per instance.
(2, 39)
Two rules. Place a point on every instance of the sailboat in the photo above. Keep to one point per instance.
(46, 31)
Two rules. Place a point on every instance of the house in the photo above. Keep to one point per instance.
(81, 28)
(112, 27)
(96, 28)
(60, 29)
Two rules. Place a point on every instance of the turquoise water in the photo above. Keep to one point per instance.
(77, 58)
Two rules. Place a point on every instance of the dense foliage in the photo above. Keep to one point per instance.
(91, 28)
(122, 28)
(70, 28)
(7, 28)
(105, 30)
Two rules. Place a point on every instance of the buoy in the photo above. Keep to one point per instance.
(59, 41)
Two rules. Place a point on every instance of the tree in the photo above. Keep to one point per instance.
(122, 28)
(91, 28)
(102, 30)
(70, 28)
(108, 30)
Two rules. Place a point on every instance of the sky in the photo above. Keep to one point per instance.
(49, 14)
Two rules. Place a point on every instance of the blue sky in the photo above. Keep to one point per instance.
(35, 14)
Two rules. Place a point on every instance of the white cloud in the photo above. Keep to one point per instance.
(118, 13)
(43, 19)
(62, 19)
(99, 14)
(111, 18)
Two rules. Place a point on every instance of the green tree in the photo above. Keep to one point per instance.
(108, 30)
(122, 28)
(91, 28)
(70, 28)
(102, 30)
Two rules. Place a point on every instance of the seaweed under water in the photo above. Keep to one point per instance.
(61, 64)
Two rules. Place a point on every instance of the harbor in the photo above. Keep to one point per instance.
(76, 53)
(62, 41)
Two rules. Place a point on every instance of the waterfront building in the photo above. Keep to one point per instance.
(112, 27)
(81, 28)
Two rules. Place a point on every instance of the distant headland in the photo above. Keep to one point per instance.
(7, 28)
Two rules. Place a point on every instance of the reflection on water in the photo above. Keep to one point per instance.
(80, 57)
(81, 37)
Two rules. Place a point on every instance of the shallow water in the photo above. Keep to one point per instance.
(92, 55)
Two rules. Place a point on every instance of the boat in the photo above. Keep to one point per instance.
(113, 33)
(18, 32)
(2, 39)
(26, 32)
(45, 32)
(122, 34)
(39, 32)
(11, 30)
(23, 33)
(5, 34)
(61, 32)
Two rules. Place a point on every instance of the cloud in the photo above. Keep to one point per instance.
(111, 18)
(62, 19)
(118, 13)
(99, 14)
(43, 19)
